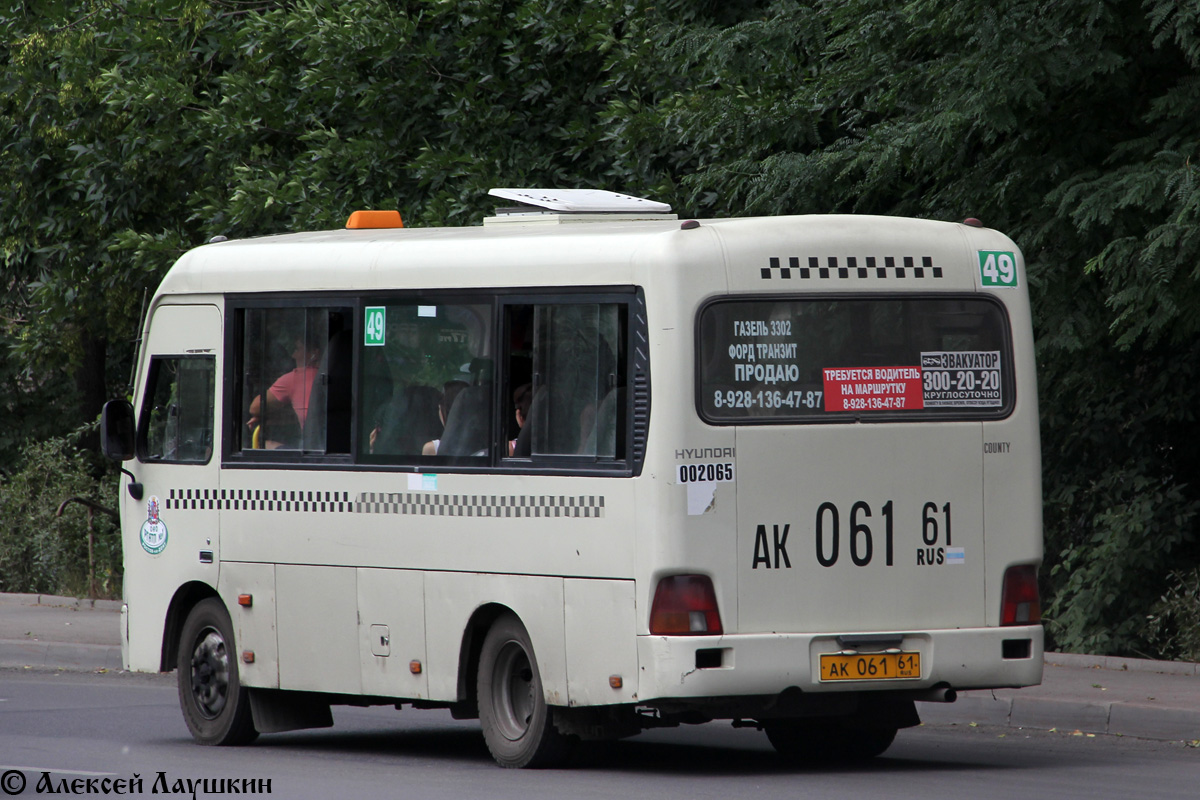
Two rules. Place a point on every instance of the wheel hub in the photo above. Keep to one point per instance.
(514, 690)
(210, 674)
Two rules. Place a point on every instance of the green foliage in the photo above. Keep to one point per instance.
(1122, 504)
(1174, 621)
(130, 132)
(42, 552)
(733, 95)
(27, 410)
(78, 174)
(134, 131)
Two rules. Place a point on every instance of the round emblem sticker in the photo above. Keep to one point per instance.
(154, 530)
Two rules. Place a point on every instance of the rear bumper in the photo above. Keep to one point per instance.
(767, 664)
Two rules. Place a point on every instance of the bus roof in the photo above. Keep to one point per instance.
(574, 252)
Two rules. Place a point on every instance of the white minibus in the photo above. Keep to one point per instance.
(584, 470)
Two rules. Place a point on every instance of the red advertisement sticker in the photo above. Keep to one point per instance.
(873, 389)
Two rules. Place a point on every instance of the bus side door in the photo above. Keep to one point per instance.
(170, 534)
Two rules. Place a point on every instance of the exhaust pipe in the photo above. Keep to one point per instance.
(938, 694)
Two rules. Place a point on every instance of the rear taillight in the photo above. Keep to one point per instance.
(685, 605)
(1020, 601)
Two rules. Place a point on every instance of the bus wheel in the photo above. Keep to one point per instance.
(813, 742)
(215, 706)
(863, 744)
(518, 725)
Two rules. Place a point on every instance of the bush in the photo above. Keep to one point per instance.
(41, 552)
(1110, 575)
(1174, 622)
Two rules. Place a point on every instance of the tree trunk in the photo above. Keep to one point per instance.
(90, 382)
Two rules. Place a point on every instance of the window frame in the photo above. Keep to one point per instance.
(927, 415)
(150, 386)
(234, 378)
(430, 464)
(497, 460)
(575, 464)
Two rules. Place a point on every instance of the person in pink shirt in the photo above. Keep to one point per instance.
(291, 390)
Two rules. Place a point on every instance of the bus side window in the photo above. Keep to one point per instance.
(176, 423)
(427, 383)
(576, 357)
(296, 379)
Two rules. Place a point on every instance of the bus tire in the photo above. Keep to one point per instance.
(867, 743)
(215, 706)
(518, 724)
(810, 741)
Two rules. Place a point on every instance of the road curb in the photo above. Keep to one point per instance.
(1123, 664)
(1041, 713)
(60, 601)
(1117, 718)
(43, 647)
(19, 654)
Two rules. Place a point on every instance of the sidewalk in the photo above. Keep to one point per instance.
(1089, 694)
(59, 632)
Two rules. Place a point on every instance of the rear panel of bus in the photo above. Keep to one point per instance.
(859, 467)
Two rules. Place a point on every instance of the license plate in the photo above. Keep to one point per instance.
(870, 666)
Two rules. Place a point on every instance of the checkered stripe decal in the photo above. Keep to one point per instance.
(405, 503)
(257, 500)
(463, 505)
(852, 268)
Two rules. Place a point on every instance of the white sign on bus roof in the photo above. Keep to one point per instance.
(582, 200)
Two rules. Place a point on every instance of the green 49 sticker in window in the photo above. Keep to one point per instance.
(376, 323)
(998, 268)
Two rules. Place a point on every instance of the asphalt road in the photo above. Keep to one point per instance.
(78, 726)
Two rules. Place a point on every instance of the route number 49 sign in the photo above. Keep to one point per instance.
(376, 325)
(997, 268)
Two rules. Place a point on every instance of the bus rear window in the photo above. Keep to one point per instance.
(871, 359)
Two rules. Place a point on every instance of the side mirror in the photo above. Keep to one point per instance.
(117, 430)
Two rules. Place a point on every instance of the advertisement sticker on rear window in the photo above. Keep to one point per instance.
(811, 359)
(961, 380)
(873, 389)
(944, 380)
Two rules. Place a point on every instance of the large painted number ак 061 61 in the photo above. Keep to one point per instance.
(862, 539)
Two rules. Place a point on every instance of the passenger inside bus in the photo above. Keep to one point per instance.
(576, 379)
(409, 420)
(277, 422)
(522, 399)
(450, 393)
